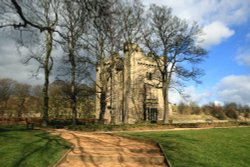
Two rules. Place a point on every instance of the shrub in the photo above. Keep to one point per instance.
(232, 113)
(184, 109)
(218, 112)
(246, 114)
(232, 110)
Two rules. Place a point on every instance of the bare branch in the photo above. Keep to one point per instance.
(25, 21)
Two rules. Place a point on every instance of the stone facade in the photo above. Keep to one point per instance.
(131, 96)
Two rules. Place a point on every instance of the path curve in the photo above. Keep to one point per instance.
(106, 150)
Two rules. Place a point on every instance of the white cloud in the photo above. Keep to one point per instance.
(217, 16)
(243, 57)
(218, 103)
(233, 12)
(228, 12)
(234, 88)
(191, 94)
(215, 33)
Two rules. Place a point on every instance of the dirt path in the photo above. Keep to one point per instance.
(106, 150)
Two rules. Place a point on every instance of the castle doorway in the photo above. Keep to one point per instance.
(151, 114)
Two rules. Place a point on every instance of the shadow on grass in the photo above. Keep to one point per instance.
(34, 147)
(11, 128)
(43, 148)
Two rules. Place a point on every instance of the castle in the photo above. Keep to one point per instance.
(131, 95)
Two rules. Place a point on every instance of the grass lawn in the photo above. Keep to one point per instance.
(29, 148)
(205, 148)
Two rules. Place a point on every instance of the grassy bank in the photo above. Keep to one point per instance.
(150, 126)
(206, 148)
(29, 148)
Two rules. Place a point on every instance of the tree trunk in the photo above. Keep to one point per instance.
(45, 99)
(73, 88)
(165, 102)
(21, 107)
(20, 110)
(47, 69)
(103, 105)
(73, 105)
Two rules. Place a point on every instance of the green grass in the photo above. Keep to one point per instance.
(29, 148)
(203, 148)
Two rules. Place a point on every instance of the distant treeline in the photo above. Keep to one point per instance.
(18, 100)
(227, 111)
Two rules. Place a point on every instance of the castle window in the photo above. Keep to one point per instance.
(149, 75)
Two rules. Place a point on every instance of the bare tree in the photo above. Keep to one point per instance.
(22, 91)
(173, 44)
(73, 28)
(131, 20)
(60, 92)
(49, 18)
(21, 9)
(37, 96)
(43, 16)
(103, 42)
(7, 87)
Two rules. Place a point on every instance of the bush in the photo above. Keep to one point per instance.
(60, 123)
(246, 114)
(218, 112)
(232, 113)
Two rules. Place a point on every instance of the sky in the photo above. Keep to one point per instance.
(226, 36)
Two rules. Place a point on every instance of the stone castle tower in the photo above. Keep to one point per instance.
(131, 94)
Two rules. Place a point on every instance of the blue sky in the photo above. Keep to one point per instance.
(226, 27)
